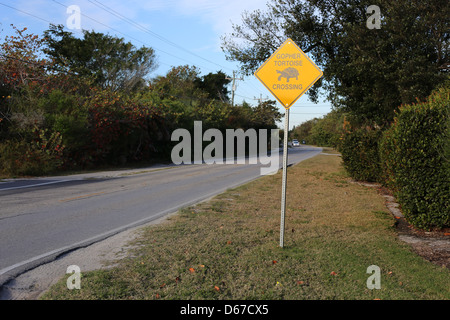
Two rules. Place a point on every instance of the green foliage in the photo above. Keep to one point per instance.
(415, 156)
(303, 131)
(359, 149)
(184, 96)
(212, 115)
(87, 107)
(43, 155)
(123, 129)
(263, 116)
(325, 132)
(177, 95)
(215, 84)
(112, 62)
(65, 113)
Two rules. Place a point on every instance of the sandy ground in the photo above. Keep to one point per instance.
(33, 283)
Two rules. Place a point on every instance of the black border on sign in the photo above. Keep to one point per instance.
(301, 93)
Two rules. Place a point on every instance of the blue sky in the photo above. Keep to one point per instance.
(181, 32)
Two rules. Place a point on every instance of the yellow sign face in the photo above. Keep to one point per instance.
(288, 73)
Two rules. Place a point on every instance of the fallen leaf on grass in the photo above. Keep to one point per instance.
(274, 261)
(333, 273)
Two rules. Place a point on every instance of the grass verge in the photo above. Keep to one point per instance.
(228, 248)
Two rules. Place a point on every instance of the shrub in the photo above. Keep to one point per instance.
(41, 156)
(324, 132)
(414, 154)
(64, 112)
(124, 129)
(359, 149)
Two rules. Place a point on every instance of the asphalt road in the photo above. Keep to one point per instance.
(41, 219)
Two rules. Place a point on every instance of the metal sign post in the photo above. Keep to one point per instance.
(288, 73)
(284, 183)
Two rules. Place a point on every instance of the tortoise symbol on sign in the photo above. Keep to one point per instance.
(288, 73)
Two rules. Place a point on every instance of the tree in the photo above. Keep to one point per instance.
(20, 63)
(266, 115)
(215, 84)
(22, 71)
(323, 132)
(367, 72)
(303, 131)
(112, 62)
(179, 84)
(327, 130)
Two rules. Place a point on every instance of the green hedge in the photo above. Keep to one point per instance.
(359, 149)
(414, 154)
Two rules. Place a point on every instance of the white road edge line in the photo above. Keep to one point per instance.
(34, 185)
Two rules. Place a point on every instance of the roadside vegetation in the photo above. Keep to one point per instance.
(65, 109)
(228, 247)
(69, 103)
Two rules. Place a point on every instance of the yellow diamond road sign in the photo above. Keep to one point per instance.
(288, 73)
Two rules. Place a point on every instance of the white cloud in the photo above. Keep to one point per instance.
(220, 13)
(217, 13)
